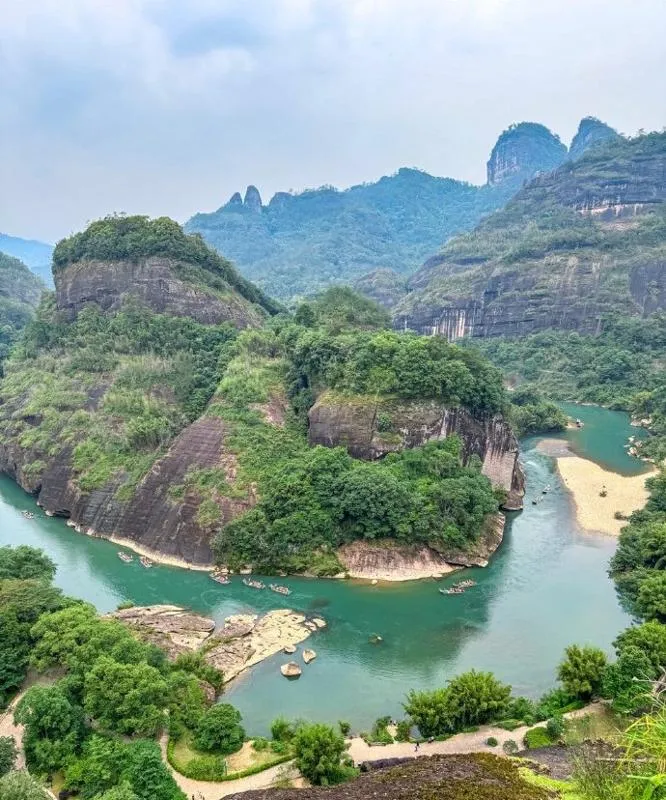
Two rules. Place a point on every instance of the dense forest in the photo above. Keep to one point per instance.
(20, 291)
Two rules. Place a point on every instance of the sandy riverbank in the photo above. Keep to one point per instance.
(585, 480)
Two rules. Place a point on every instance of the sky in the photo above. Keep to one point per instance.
(169, 106)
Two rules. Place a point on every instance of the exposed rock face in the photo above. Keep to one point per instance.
(335, 420)
(243, 640)
(158, 283)
(591, 132)
(385, 286)
(252, 199)
(172, 628)
(522, 150)
(460, 777)
(535, 265)
(151, 519)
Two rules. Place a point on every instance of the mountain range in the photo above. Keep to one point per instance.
(299, 243)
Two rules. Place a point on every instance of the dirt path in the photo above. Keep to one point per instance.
(9, 728)
(459, 744)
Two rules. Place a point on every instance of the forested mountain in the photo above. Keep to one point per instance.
(20, 291)
(36, 255)
(573, 245)
(160, 397)
(299, 243)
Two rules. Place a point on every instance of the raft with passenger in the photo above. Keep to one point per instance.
(145, 562)
(124, 557)
(253, 584)
(274, 587)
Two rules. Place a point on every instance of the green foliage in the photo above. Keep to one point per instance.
(120, 237)
(195, 663)
(528, 419)
(21, 786)
(582, 671)
(19, 294)
(319, 753)
(126, 698)
(649, 638)
(24, 563)
(627, 682)
(403, 730)
(8, 753)
(556, 703)
(282, 730)
(345, 728)
(340, 308)
(470, 699)
(491, 741)
(555, 728)
(54, 727)
(537, 737)
(219, 730)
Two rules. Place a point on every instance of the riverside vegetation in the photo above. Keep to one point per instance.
(116, 388)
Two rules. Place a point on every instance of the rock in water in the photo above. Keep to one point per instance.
(319, 622)
(309, 655)
(291, 670)
(289, 649)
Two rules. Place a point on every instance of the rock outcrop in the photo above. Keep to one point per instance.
(459, 777)
(522, 150)
(162, 284)
(353, 423)
(591, 132)
(574, 245)
(243, 641)
(151, 519)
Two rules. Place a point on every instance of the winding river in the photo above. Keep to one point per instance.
(545, 588)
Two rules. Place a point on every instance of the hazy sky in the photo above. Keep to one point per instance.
(168, 106)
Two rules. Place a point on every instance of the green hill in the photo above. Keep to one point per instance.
(300, 243)
(573, 245)
(35, 255)
(20, 291)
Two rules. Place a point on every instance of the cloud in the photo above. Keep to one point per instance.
(165, 107)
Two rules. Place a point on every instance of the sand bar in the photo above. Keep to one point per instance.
(585, 480)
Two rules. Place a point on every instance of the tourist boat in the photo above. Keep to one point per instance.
(579, 423)
(452, 590)
(124, 557)
(146, 562)
(535, 502)
(253, 584)
(466, 584)
(222, 579)
(279, 589)
(545, 489)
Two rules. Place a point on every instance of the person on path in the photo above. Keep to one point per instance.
(416, 747)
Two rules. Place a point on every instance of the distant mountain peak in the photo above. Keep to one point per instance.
(591, 131)
(252, 199)
(523, 150)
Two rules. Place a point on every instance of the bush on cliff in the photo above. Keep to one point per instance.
(320, 753)
(582, 671)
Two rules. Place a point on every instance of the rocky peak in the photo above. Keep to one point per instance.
(236, 201)
(280, 199)
(522, 151)
(591, 132)
(252, 199)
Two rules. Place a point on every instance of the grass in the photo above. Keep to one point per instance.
(565, 790)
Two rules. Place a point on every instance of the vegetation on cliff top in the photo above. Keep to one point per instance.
(120, 237)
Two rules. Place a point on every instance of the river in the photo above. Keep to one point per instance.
(545, 588)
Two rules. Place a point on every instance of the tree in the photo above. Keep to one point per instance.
(627, 682)
(582, 671)
(429, 711)
(319, 753)
(148, 775)
(651, 600)
(120, 792)
(650, 638)
(24, 562)
(125, 698)
(103, 763)
(54, 727)
(475, 698)
(219, 730)
(7, 754)
(21, 786)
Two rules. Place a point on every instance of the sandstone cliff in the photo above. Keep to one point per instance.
(354, 424)
(163, 284)
(572, 246)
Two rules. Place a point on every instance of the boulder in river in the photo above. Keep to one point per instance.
(289, 649)
(291, 670)
(309, 655)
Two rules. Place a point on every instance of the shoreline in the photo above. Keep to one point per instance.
(584, 481)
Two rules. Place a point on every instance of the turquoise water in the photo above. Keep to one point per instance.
(603, 438)
(545, 588)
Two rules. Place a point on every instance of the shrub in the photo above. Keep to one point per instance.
(8, 754)
(219, 730)
(282, 730)
(555, 728)
(403, 730)
(260, 744)
(582, 671)
(345, 728)
(537, 737)
(510, 747)
(491, 741)
(319, 753)
(475, 698)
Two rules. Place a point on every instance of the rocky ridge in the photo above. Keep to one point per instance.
(573, 245)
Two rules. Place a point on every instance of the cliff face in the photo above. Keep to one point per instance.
(353, 424)
(162, 284)
(591, 132)
(522, 150)
(152, 519)
(572, 246)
